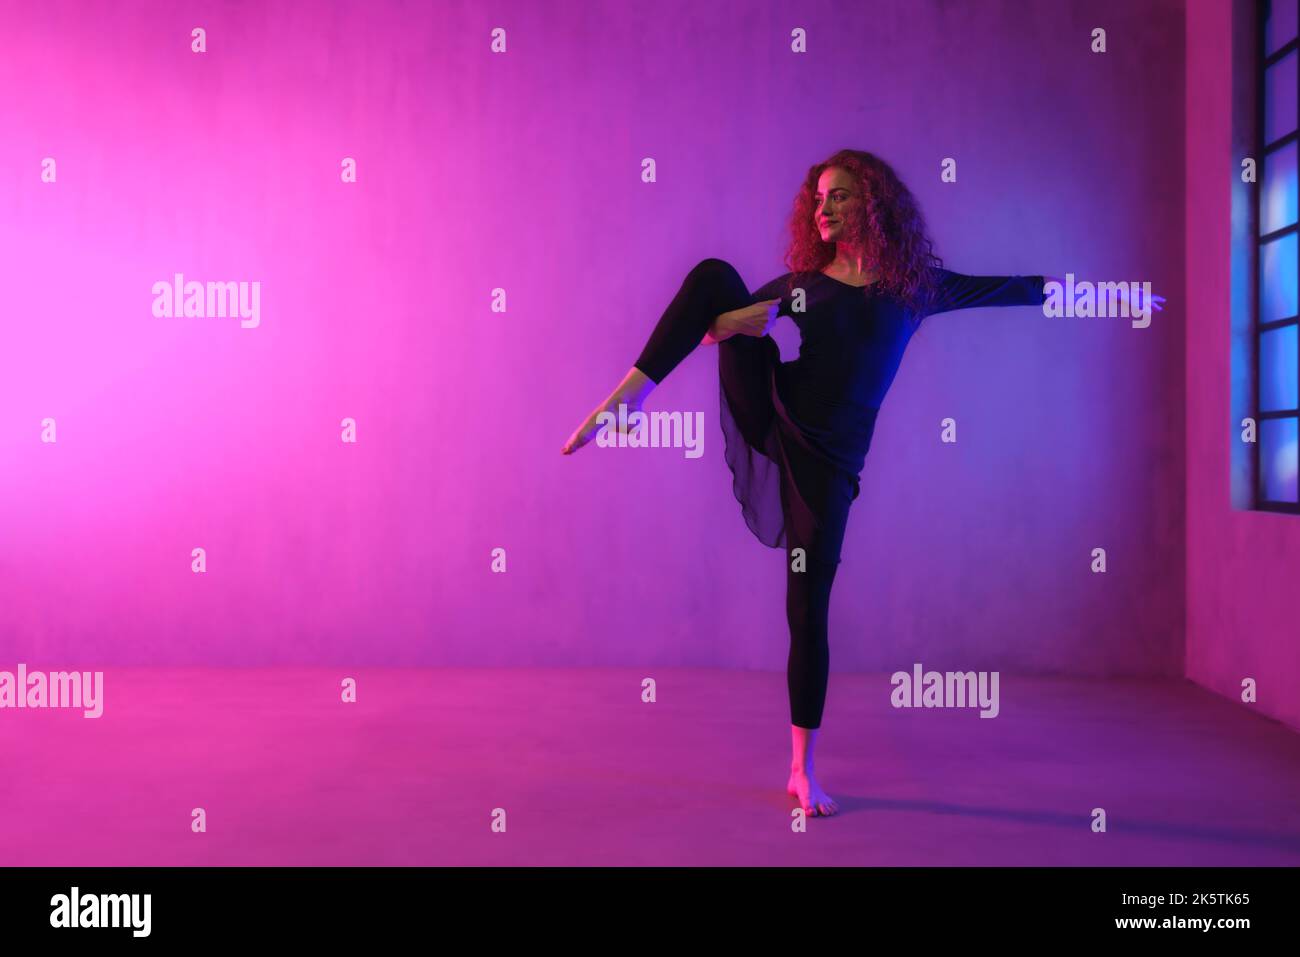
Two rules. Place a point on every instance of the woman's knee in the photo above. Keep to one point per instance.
(712, 266)
(720, 274)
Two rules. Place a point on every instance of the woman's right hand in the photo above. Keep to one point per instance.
(753, 320)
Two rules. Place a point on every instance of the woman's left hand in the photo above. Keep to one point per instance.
(1139, 296)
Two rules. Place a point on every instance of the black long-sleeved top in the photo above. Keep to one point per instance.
(851, 342)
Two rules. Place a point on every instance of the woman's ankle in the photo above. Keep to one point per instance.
(634, 388)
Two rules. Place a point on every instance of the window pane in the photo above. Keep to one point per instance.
(1279, 28)
(1280, 98)
(1277, 279)
(1277, 369)
(1278, 203)
(1277, 458)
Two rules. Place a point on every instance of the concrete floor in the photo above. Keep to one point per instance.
(589, 775)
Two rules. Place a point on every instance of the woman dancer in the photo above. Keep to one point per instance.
(863, 276)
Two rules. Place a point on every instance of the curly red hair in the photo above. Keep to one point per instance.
(891, 229)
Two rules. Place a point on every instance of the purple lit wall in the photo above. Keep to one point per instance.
(521, 171)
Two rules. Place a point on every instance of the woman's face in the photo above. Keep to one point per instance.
(837, 203)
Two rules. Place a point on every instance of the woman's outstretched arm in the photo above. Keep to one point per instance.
(955, 290)
(959, 291)
(1135, 295)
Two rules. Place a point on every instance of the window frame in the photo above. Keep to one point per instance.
(1263, 150)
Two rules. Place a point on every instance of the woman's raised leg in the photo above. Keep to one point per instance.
(712, 287)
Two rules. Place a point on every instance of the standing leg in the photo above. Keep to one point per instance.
(829, 493)
(807, 609)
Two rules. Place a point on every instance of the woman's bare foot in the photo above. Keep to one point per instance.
(636, 385)
(814, 801)
(803, 781)
(591, 425)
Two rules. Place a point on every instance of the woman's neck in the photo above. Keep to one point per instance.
(852, 267)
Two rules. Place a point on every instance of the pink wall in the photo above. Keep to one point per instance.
(1243, 606)
(522, 171)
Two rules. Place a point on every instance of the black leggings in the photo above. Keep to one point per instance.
(713, 287)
